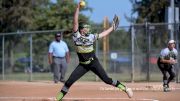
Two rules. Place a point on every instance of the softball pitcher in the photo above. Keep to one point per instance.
(88, 61)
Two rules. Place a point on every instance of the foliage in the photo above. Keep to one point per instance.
(123, 40)
(15, 15)
(28, 15)
(54, 16)
(150, 10)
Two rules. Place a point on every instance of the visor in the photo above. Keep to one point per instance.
(171, 41)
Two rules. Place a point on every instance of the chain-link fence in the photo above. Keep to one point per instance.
(131, 53)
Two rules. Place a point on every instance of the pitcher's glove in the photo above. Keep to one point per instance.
(115, 22)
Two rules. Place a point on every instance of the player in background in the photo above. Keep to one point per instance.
(166, 63)
(84, 41)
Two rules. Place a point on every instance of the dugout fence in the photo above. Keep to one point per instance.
(130, 55)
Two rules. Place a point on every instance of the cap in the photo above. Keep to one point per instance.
(171, 41)
(57, 34)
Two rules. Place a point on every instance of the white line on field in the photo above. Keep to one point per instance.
(79, 98)
(128, 99)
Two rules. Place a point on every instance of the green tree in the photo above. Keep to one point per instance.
(55, 16)
(15, 16)
(150, 10)
(25, 15)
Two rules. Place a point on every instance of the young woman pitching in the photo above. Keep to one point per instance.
(84, 41)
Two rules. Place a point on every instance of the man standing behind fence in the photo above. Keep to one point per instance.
(166, 62)
(58, 58)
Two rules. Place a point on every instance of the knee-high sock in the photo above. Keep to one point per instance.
(121, 86)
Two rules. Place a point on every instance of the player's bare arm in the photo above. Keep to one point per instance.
(106, 32)
(114, 26)
(75, 19)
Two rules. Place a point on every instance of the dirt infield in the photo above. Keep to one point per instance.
(85, 91)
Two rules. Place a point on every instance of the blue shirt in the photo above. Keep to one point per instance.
(58, 49)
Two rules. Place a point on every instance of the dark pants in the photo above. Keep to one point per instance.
(166, 68)
(95, 67)
(81, 69)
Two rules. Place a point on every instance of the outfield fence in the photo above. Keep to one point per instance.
(128, 54)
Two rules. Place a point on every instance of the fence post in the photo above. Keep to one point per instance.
(148, 39)
(177, 47)
(3, 76)
(105, 43)
(31, 67)
(97, 54)
(132, 52)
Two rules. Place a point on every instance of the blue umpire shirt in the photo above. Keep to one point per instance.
(58, 49)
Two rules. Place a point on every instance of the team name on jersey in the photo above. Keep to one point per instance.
(82, 40)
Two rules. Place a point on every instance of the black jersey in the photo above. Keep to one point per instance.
(84, 45)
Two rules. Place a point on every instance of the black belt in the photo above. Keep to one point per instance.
(87, 62)
(58, 57)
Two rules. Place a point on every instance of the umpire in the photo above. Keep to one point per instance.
(166, 62)
(58, 58)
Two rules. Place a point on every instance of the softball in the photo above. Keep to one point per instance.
(82, 3)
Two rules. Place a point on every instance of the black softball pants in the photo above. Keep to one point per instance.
(82, 69)
(166, 69)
